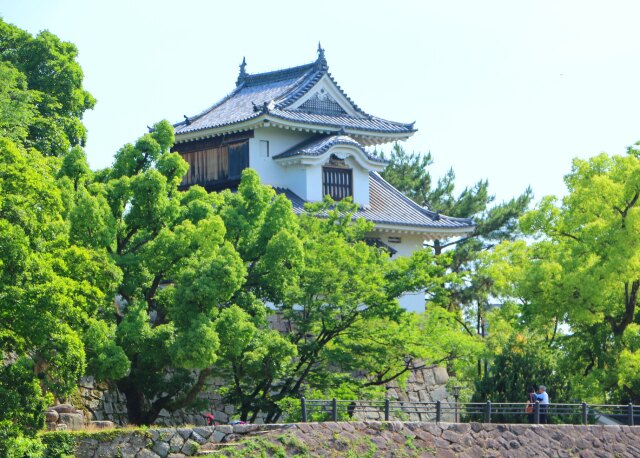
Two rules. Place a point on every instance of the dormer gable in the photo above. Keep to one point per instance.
(326, 98)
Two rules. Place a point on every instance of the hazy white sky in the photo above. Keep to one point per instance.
(505, 90)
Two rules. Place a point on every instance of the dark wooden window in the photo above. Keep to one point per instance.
(216, 167)
(337, 182)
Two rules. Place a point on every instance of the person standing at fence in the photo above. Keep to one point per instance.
(543, 398)
(531, 402)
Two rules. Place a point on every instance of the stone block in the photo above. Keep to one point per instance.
(218, 436)
(185, 432)
(162, 449)
(51, 416)
(439, 394)
(108, 408)
(429, 377)
(63, 408)
(198, 438)
(146, 453)
(73, 421)
(190, 448)
(204, 431)
(226, 429)
(176, 443)
(441, 375)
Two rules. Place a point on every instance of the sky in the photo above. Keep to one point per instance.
(509, 91)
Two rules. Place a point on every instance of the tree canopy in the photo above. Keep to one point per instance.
(578, 284)
(42, 100)
(471, 287)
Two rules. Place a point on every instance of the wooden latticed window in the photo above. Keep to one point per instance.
(337, 182)
(216, 166)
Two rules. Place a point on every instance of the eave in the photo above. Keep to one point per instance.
(366, 137)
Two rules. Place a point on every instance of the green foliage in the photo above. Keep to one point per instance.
(13, 444)
(52, 283)
(49, 287)
(468, 285)
(578, 284)
(17, 104)
(60, 444)
(41, 96)
(21, 398)
(520, 364)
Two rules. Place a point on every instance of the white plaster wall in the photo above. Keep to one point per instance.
(313, 191)
(269, 170)
(360, 183)
(413, 302)
(305, 181)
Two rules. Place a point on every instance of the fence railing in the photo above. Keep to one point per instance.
(483, 412)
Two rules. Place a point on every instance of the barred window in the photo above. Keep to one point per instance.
(337, 182)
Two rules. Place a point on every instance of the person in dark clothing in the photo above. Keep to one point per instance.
(531, 402)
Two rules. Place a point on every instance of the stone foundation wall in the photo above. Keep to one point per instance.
(425, 385)
(372, 439)
(108, 403)
(104, 403)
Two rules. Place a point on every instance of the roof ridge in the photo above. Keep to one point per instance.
(256, 79)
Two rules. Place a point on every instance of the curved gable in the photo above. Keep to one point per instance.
(318, 151)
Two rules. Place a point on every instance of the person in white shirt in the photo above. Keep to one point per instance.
(543, 398)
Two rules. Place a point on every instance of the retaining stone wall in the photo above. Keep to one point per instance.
(425, 385)
(382, 439)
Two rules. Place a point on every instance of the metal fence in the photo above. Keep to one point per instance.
(482, 412)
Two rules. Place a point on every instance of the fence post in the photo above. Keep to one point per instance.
(303, 407)
(536, 413)
(630, 414)
(386, 409)
(334, 409)
(585, 413)
(438, 411)
(487, 412)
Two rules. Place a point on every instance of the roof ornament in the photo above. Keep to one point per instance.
(321, 62)
(243, 72)
(187, 120)
(342, 131)
(265, 107)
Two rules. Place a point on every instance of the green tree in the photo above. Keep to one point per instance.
(50, 291)
(53, 288)
(41, 88)
(494, 223)
(584, 273)
(178, 272)
(337, 286)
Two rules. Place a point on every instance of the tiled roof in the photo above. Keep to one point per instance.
(319, 145)
(272, 94)
(388, 206)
